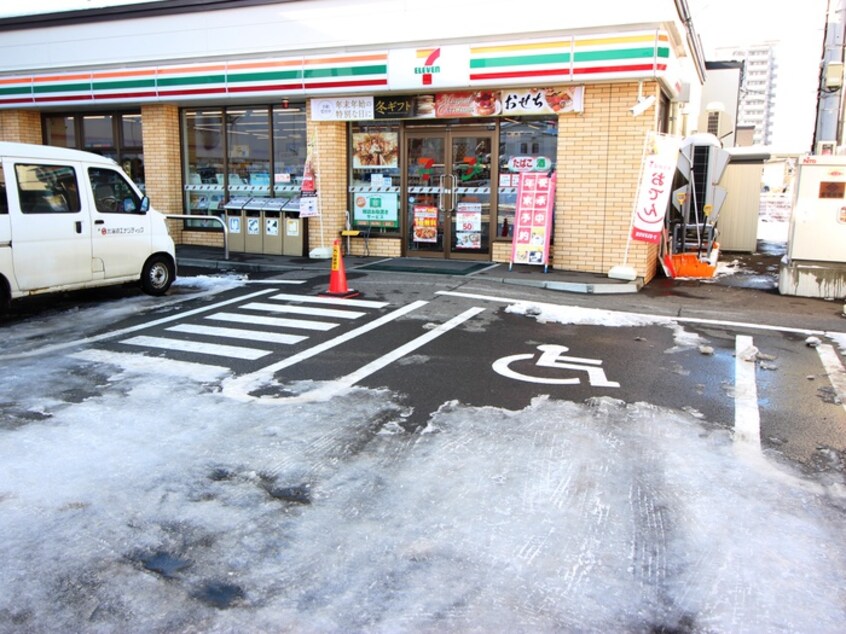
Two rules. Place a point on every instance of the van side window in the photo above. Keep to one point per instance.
(4, 202)
(46, 189)
(112, 192)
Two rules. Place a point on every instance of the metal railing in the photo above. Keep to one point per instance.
(216, 219)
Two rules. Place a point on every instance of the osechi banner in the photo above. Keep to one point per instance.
(656, 181)
(533, 219)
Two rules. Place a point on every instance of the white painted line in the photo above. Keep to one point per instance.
(259, 336)
(337, 301)
(327, 391)
(835, 371)
(126, 331)
(304, 310)
(747, 418)
(654, 317)
(214, 349)
(275, 281)
(276, 322)
(239, 387)
(132, 361)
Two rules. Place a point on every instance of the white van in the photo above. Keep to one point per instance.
(72, 220)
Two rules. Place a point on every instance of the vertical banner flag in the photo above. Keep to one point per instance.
(660, 156)
(533, 218)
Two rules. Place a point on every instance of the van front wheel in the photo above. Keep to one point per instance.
(157, 275)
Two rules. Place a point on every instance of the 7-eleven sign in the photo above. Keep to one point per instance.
(434, 67)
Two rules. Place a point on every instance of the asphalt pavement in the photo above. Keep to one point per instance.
(745, 290)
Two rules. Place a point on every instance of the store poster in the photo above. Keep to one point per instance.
(468, 226)
(425, 227)
(533, 219)
(375, 150)
(376, 209)
(660, 156)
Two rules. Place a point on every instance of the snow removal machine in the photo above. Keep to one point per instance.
(690, 247)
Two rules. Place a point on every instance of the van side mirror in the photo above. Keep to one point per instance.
(145, 205)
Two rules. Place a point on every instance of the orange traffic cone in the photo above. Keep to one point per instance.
(338, 277)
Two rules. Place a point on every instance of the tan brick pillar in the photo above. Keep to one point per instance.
(162, 161)
(599, 156)
(329, 148)
(21, 126)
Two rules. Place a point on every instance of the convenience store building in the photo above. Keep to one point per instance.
(413, 123)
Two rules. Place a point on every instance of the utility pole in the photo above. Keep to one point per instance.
(827, 134)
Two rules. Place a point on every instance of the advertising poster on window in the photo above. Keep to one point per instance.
(468, 226)
(533, 219)
(656, 182)
(375, 150)
(425, 227)
(376, 209)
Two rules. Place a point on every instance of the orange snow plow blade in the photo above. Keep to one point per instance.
(688, 265)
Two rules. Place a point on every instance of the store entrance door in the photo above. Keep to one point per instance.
(449, 201)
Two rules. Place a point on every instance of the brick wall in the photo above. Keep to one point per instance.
(20, 126)
(376, 247)
(328, 140)
(599, 158)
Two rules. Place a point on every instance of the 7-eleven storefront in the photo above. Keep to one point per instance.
(422, 150)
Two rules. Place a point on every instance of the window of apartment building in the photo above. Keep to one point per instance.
(714, 123)
(116, 135)
(242, 153)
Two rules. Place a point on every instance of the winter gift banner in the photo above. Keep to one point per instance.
(533, 219)
(660, 154)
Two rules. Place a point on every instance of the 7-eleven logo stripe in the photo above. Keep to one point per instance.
(429, 67)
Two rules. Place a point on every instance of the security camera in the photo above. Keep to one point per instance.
(642, 105)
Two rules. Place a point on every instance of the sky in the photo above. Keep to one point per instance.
(797, 30)
(205, 513)
(796, 26)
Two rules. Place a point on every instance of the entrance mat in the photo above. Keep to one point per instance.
(433, 266)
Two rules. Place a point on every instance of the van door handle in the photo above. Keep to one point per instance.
(99, 222)
(78, 226)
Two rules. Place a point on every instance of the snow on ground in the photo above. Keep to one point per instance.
(136, 502)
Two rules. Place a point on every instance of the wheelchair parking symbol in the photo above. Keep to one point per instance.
(552, 356)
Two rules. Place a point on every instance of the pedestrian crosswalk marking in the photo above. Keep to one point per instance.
(239, 333)
(304, 310)
(276, 322)
(214, 349)
(337, 301)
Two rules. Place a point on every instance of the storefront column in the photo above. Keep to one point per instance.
(599, 157)
(162, 164)
(21, 126)
(328, 141)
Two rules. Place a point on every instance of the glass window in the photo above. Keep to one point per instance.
(117, 135)
(248, 138)
(4, 201)
(290, 146)
(98, 134)
(524, 144)
(204, 150)
(374, 188)
(47, 189)
(60, 131)
(248, 152)
(112, 193)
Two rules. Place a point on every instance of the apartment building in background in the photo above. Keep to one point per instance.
(757, 98)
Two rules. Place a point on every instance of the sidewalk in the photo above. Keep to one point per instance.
(745, 291)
